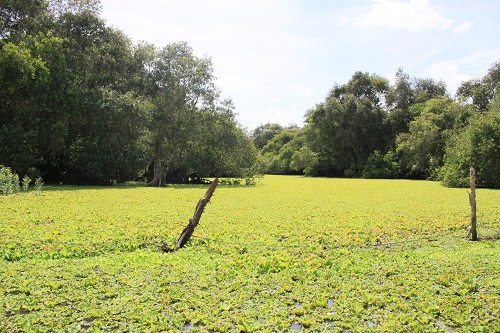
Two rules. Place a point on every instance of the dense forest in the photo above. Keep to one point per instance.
(80, 103)
(412, 129)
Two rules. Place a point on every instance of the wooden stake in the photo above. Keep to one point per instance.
(472, 200)
(189, 229)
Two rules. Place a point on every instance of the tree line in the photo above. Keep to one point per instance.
(80, 103)
(409, 129)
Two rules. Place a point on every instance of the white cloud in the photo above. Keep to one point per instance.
(463, 27)
(456, 71)
(277, 59)
(414, 15)
(285, 115)
(238, 83)
(293, 114)
(296, 113)
(256, 50)
(449, 72)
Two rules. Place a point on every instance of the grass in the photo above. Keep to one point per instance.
(290, 254)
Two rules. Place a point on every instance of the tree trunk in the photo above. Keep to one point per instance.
(159, 176)
(472, 200)
(193, 222)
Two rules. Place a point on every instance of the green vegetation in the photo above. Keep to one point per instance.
(315, 254)
(10, 183)
(412, 129)
(82, 105)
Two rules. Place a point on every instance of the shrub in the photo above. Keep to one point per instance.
(26, 182)
(10, 184)
(38, 185)
(9, 181)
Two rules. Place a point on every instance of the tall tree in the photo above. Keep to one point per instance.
(398, 100)
(481, 92)
(22, 76)
(477, 145)
(70, 97)
(477, 142)
(106, 116)
(81, 104)
(348, 126)
(183, 89)
(421, 149)
(220, 148)
(405, 93)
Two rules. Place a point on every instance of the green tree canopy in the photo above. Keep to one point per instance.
(262, 134)
(404, 94)
(477, 145)
(421, 149)
(480, 92)
(82, 104)
(276, 155)
(345, 129)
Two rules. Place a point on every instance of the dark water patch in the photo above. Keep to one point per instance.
(187, 327)
(444, 327)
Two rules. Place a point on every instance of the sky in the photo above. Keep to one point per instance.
(276, 59)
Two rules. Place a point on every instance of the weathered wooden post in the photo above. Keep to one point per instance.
(193, 222)
(472, 200)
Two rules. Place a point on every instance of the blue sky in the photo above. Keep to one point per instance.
(276, 59)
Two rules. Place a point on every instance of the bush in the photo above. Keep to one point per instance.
(9, 181)
(26, 182)
(247, 181)
(38, 185)
(10, 184)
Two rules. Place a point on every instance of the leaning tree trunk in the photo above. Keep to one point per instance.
(159, 176)
(193, 222)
